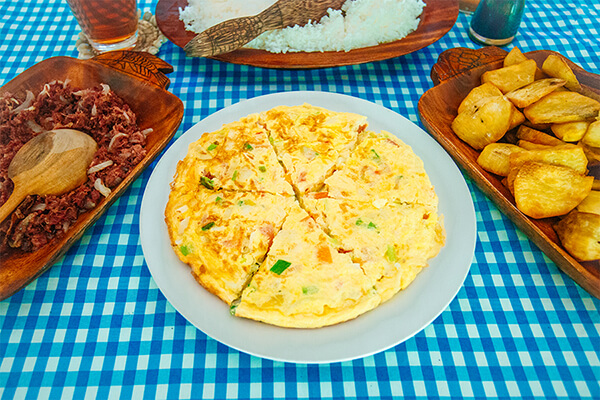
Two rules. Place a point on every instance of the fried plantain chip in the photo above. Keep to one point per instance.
(511, 77)
(527, 145)
(592, 153)
(543, 190)
(484, 123)
(592, 135)
(570, 131)
(514, 56)
(536, 136)
(579, 233)
(494, 157)
(533, 92)
(567, 156)
(478, 93)
(557, 67)
(516, 118)
(591, 204)
(560, 107)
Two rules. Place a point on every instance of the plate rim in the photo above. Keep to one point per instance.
(341, 350)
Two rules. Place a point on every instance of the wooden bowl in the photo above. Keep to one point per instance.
(456, 72)
(437, 19)
(136, 77)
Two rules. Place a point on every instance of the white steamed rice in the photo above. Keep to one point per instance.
(360, 23)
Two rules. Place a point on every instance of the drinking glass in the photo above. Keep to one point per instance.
(108, 24)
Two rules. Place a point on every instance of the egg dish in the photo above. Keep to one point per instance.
(301, 217)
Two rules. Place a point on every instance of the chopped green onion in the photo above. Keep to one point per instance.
(308, 290)
(208, 226)
(185, 250)
(248, 146)
(241, 203)
(359, 222)
(390, 253)
(211, 147)
(218, 199)
(207, 183)
(375, 155)
(271, 140)
(235, 175)
(280, 266)
(262, 168)
(234, 305)
(372, 225)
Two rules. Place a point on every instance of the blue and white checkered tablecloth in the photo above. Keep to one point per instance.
(96, 325)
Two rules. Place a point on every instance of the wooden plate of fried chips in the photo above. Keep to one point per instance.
(455, 74)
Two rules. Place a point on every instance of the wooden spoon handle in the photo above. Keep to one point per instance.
(13, 202)
(235, 33)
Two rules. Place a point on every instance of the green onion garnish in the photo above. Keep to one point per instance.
(241, 203)
(280, 266)
(359, 222)
(211, 147)
(308, 290)
(185, 250)
(208, 226)
(248, 146)
(207, 183)
(262, 168)
(218, 199)
(390, 253)
(372, 225)
(375, 155)
(235, 175)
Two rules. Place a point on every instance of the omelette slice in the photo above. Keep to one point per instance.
(247, 161)
(304, 282)
(311, 141)
(236, 157)
(382, 167)
(224, 235)
(392, 242)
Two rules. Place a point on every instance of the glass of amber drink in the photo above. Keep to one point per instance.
(108, 24)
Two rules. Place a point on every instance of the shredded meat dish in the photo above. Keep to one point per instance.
(98, 112)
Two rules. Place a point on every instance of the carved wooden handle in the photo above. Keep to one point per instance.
(458, 60)
(141, 65)
(235, 33)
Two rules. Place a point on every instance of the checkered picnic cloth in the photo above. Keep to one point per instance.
(97, 326)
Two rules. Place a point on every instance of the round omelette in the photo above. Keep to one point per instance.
(301, 217)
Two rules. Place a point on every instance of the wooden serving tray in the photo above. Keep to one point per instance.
(437, 19)
(456, 72)
(138, 78)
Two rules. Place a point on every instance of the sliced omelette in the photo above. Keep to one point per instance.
(385, 168)
(304, 282)
(311, 141)
(224, 235)
(392, 242)
(300, 217)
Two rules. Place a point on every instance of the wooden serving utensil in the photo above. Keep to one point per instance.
(232, 34)
(52, 163)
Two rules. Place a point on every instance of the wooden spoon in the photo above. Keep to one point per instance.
(235, 33)
(52, 163)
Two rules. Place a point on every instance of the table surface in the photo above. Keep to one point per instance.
(95, 325)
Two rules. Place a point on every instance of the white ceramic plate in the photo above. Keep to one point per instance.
(391, 323)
